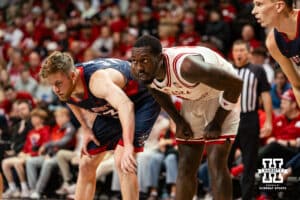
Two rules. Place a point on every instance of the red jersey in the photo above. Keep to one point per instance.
(36, 138)
(286, 130)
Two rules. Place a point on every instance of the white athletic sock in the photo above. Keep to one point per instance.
(24, 186)
(12, 186)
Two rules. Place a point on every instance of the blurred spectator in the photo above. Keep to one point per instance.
(13, 34)
(286, 131)
(15, 65)
(148, 25)
(217, 28)
(279, 86)
(61, 36)
(19, 128)
(25, 82)
(86, 35)
(103, 45)
(127, 40)
(228, 11)
(34, 64)
(11, 95)
(165, 156)
(34, 139)
(189, 37)
(248, 35)
(64, 159)
(44, 93)
(259, 57)
(117, 23)
(166, 34)
(62, 136)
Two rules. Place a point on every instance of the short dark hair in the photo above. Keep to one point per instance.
(239, 41)
(260, 51)
(149, 41)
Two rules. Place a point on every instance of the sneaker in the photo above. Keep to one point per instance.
(35, 195)
(8, 193)
(71, 189)
(25, 194)
(71, 196)
(63, 189)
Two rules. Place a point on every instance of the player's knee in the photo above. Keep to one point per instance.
(87, 169)
(118, 164)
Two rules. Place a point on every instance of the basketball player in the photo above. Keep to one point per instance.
(210, 90)
(114, 111)
(283, 41)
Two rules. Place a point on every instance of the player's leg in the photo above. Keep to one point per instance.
(189, 160)
(86, 182)
(219, 173)
(145, 116)
(128, 181)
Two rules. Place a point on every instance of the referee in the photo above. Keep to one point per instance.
(247, 140)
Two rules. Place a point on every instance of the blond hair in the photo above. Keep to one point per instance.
(38, 112)
(57, 62)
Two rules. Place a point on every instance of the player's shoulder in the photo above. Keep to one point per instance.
(270, 40)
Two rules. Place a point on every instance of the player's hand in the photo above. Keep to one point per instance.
(128, 162)
(183, 130)
(212, 130)
(88, 136)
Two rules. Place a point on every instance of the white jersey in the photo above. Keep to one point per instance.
(174, 84)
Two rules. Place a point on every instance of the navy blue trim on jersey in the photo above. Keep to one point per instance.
(289, 48)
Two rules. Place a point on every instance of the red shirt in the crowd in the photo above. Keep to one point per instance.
(286, 130)
(35, 139)
(189, 39)
(58, 133)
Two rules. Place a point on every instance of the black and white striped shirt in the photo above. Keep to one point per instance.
(255, 82)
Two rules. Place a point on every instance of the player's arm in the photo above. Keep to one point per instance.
(107, 85)
(183, 129)
(195, 70)
(103, 86)
(267, 104)
(87, 131)
(79, 116)
(285, 64)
